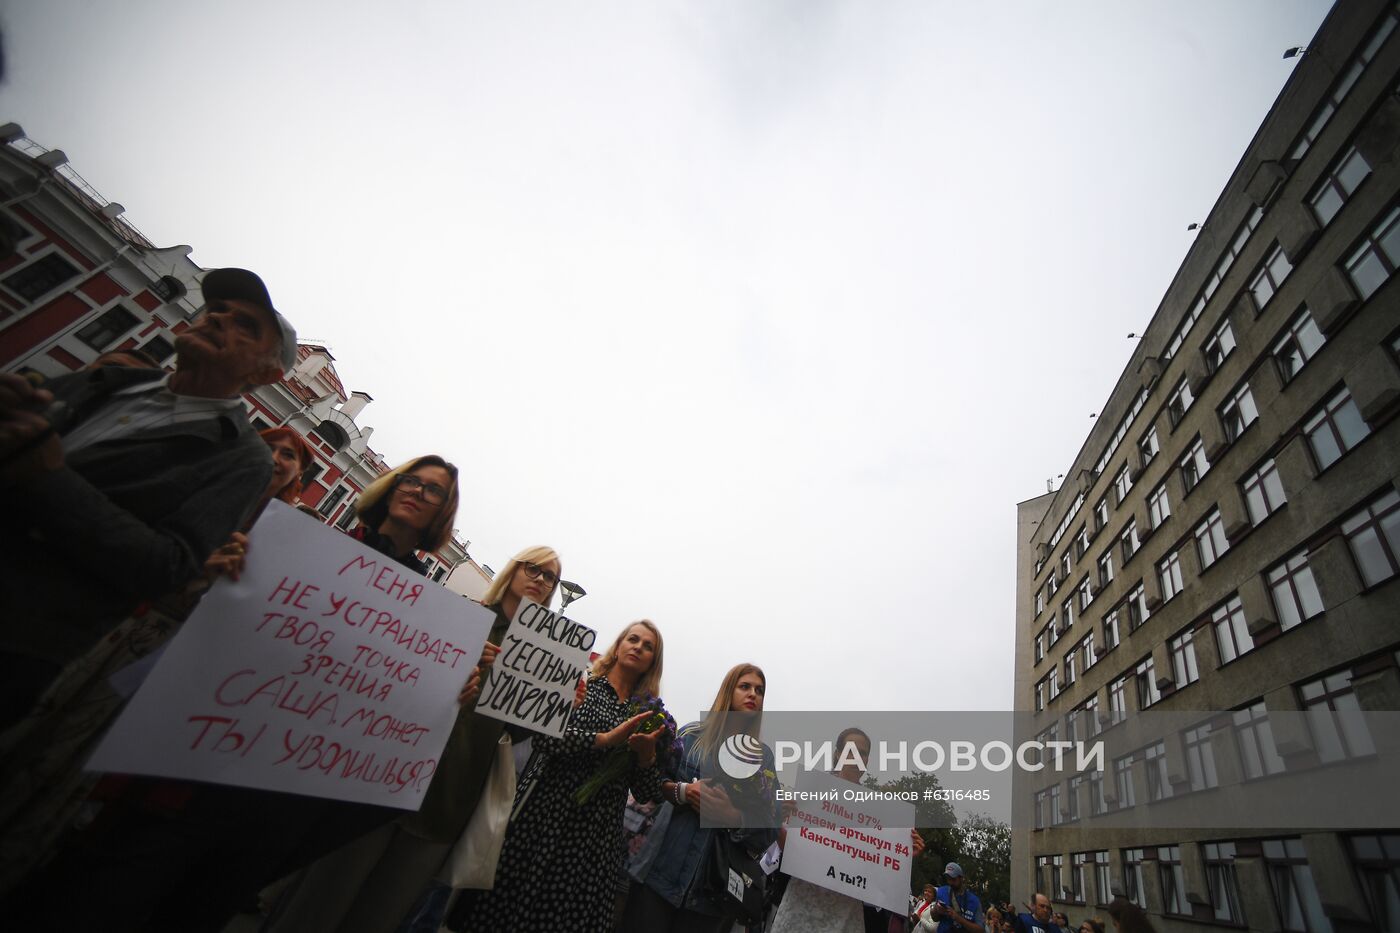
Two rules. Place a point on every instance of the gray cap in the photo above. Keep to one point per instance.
(953, 870)
(246, 286)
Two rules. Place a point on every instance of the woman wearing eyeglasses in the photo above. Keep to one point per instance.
(561, 857)
(373, 883)
(409, 509)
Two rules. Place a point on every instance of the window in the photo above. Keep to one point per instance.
(1052, 683)
(1337, 185)
(1123, 781)
(40, 277)
(168, 288)
(1110, 631)
(1342, 86)
(1133, 888)
(1103, 889)
(1294, 591)
(1173, 880)
(1118, 700)
(1042, 809)
(1194, 464)
(1145, 678)
(1169, 576)
(1255, 739)
(1159, 786)
(1210, 539)
(1220, 345)
(312, 471)
(1373, 534)
(1084, 720)
(1052, 584)
(1106, 568)
(1047, 872)
(1137, 608)
(1238, 412)
(1086, 594)
(1122, 483)
(345, 520)
(1299, 343)
(1334, 717)
(1064, 565)
(1232, 637)
(1078, 871)
(1040, 693)
(1040, 645)
(1070, 665)
(1101, 513)
(1335, 429)
(1039, 601)
(1291, 882)
(1129, 540)
(1266, 281)
(1222, 883)
(1263, 492)
(1081, 542)
(1200, 758)
(1377, 861)
(1066, 616)
(1375, 259)
(1158, 508)
(1148, 446)
(104, 331)
(1179, 402)
(159, 348)
(1097, 803)
(1086, 651)
(1182, 649)
(1217, 275)
(1056, 815)
(328, 504)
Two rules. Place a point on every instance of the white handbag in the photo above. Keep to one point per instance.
(472, 863)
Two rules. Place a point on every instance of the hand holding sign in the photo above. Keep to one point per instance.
(527, 682)
(327, 669)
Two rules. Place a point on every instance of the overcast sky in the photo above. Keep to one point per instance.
(764, 314)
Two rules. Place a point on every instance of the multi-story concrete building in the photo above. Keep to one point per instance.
(77, 279)
(1228, 537)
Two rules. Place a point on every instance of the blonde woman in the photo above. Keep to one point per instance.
(372, 883)
(670, 893)
(561, 857)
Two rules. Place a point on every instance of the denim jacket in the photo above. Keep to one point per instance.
(677, 871)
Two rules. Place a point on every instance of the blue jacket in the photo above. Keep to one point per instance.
(677, 871)
(969, 905)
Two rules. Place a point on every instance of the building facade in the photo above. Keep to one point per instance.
(1228, 537)
(77, 280)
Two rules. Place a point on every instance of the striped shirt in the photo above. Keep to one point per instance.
(144, 407)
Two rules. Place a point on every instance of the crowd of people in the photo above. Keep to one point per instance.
(134, 490)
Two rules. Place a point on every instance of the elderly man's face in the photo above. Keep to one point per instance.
(233, 337)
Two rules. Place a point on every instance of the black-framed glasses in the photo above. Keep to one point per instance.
(535, 571)
(431, 492)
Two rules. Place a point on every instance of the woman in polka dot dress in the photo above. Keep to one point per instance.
(560, 859)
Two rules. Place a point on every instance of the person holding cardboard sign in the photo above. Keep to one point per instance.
(561, 857)
(672, 891)
(371, 883)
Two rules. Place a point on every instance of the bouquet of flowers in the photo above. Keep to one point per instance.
(618, 761)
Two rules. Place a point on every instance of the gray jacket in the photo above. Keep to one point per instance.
(121, 521)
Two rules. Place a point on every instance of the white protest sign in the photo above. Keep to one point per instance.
(834, 841)
(328, 669)
(543, 655)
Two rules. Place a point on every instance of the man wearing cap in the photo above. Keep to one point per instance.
(955, 907)
(119, 482)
